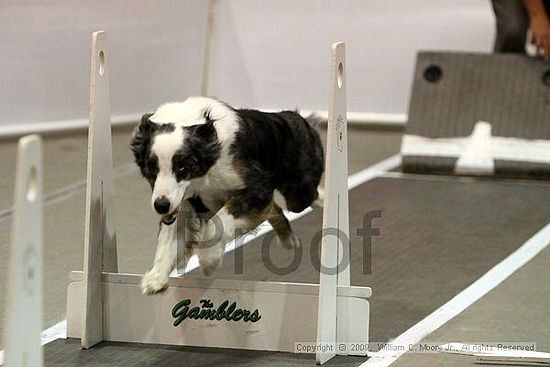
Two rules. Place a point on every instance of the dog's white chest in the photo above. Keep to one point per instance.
(216, 187)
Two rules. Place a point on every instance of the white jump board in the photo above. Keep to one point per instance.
(133, 317)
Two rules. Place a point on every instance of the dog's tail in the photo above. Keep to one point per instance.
(315, 121)
(319, 202)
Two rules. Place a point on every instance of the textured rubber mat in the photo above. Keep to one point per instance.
(67, 353)
(437, 236)
(453, 91)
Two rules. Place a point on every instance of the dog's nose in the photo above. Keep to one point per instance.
(162, 205)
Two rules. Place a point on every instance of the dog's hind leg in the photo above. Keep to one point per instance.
(233, 220)
(281, 226)
(193, 224)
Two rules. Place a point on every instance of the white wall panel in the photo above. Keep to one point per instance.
(156, 55)
(275, 54)
(265, 53)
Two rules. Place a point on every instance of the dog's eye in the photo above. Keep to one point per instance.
(181, 168)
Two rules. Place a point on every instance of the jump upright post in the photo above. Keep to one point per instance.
(100, 253)
(23, 319)
(103, 304)
(335, 250)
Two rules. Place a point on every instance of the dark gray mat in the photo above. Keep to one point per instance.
(437, 237)
(65, 353)
(452, 91)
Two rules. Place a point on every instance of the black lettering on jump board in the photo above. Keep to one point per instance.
(207, 311)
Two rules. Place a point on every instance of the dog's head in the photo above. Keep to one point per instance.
(170, 156)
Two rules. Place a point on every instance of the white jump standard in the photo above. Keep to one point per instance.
(23, 319)
(103, 304)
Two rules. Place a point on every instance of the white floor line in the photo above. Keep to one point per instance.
(59, 330)
(374, 171)
(466, 298)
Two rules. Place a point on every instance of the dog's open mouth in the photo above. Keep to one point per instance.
(170, 218)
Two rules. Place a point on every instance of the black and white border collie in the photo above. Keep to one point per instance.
(227, 170)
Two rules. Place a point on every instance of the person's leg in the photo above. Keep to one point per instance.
(512, 24)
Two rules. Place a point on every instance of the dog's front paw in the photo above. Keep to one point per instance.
(154, 282)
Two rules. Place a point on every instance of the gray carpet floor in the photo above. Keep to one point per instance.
(437, 236)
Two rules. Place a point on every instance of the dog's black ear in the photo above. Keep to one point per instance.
(207, 114)
(206, 131)
(141, 139)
